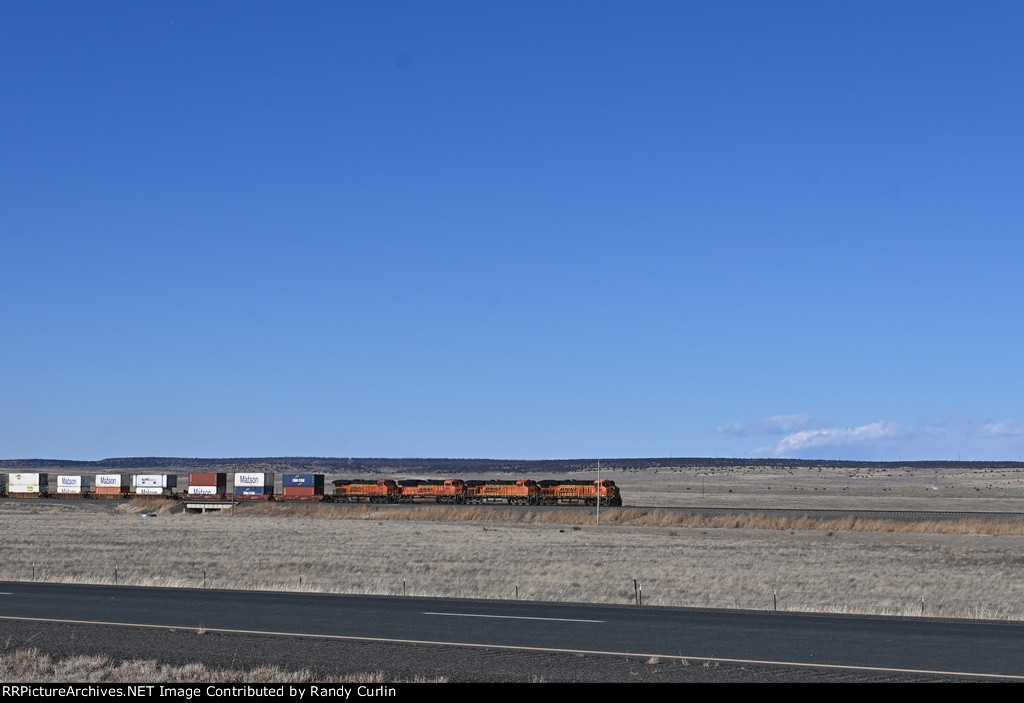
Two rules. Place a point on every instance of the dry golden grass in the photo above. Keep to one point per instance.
(963, 568)
(861, 488)
(733, 565)
(32, 666)
(637, 517)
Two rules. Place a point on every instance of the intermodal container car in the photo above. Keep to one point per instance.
(110, 486)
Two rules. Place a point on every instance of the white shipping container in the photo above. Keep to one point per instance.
(108, 480)
(254, 480)
(26, 479)
(149, 490)
(69, 489)
(154, 480)
(69, 482)
(203, 490)
(23, 489)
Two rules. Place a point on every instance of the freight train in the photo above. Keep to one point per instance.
(311, 488)
(457, 491)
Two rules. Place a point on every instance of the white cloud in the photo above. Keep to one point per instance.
(839, 436)
(948, 437)
(1006, 428)
(777, 424)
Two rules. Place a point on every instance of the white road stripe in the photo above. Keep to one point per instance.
(510, 617)
(521, 648)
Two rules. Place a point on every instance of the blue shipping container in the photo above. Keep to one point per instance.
(303, 480)
(252, 490)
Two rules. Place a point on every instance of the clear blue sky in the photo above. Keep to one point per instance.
(512, 229)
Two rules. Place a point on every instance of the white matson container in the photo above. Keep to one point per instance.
(149, 490)
(108, 480)
(76, 482)
(70, 489)
(203, 490)
(253, 480)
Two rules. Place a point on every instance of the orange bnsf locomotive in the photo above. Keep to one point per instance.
(456, 491)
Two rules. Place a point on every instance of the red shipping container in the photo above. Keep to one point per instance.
(310, 494)
(301, 491)
(208, 479)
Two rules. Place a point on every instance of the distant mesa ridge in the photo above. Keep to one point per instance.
(369, 465)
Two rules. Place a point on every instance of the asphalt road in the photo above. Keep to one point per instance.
(898, 645)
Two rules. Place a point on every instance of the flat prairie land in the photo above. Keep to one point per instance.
(826, 488)
(953, 568)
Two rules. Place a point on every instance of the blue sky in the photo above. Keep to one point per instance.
(512, 230)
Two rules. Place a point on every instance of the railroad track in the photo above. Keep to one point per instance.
(837, 513)
(588, 513)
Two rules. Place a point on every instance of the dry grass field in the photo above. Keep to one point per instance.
(864, 488)
(966, 568)
(26, 665)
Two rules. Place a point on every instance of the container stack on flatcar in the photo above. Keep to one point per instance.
(149, 485)
(32, 485)
(302, 487)
(205, 485)
(384, 490)
(253, 486)
(111, 486)
(72, 486)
